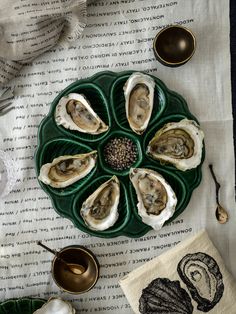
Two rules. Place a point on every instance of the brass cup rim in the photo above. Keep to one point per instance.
(93, 260)
(174, 63)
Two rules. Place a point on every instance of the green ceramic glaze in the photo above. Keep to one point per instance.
(105, 92)
(21, 306)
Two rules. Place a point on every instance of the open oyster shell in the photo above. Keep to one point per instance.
(65, 170)
(74, 112)
(156, 198)
(179, 143)
(100, 210)
(139, 96)
(165, 296)
(202, 276)
(56, 306)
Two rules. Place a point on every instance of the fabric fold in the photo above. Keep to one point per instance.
(31, 29)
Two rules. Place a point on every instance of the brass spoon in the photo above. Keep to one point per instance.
(74, 268)
(221, 213)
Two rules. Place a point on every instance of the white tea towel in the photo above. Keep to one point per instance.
(190, 278)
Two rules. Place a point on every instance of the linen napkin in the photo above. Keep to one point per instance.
(28, 28)
(190, 278)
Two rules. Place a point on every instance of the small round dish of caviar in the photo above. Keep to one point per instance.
(119, 154)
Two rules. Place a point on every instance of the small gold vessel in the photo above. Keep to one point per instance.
(71, 282)
(174, 45)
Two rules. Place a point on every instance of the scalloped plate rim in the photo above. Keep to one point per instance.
(16, 300)
(168, 93)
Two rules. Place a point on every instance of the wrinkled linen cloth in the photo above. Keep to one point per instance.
(29, 28)
(190, 278)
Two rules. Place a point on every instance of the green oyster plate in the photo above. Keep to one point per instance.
(21, 306)
(105, 92)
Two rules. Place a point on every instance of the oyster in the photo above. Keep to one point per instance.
(65, 170)
(202, 276)
(57, 306)
(100, 210)
(165, 296)
(139, 96)
(156, 198)
(74, 112)
(179, 143)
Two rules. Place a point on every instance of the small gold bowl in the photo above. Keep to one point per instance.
(174, 45)
(67, 280)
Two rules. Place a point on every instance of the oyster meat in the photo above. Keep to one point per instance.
(156, 198)
(100, 209)
(203, 278)
(74, 112)
(66, 170)
(56, 306)
(179, 143)
(165, 296)
(139, 97)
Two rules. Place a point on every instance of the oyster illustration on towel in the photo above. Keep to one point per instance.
(202, 276)
(165, 296)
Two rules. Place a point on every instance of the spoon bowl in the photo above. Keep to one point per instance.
(221, 214)
(75, 268)
(174, 45)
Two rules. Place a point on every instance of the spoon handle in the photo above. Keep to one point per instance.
(216, 183)
(48, 249)
(74, 268)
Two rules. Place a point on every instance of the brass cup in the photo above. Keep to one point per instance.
(174, 45)
(67, 280)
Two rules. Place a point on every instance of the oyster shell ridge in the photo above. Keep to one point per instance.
(57, 306)
(165, 296)
(193, 130)
(45, 169)
(62, 117)
(135, 79)
(155, 221)
(113, 215)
